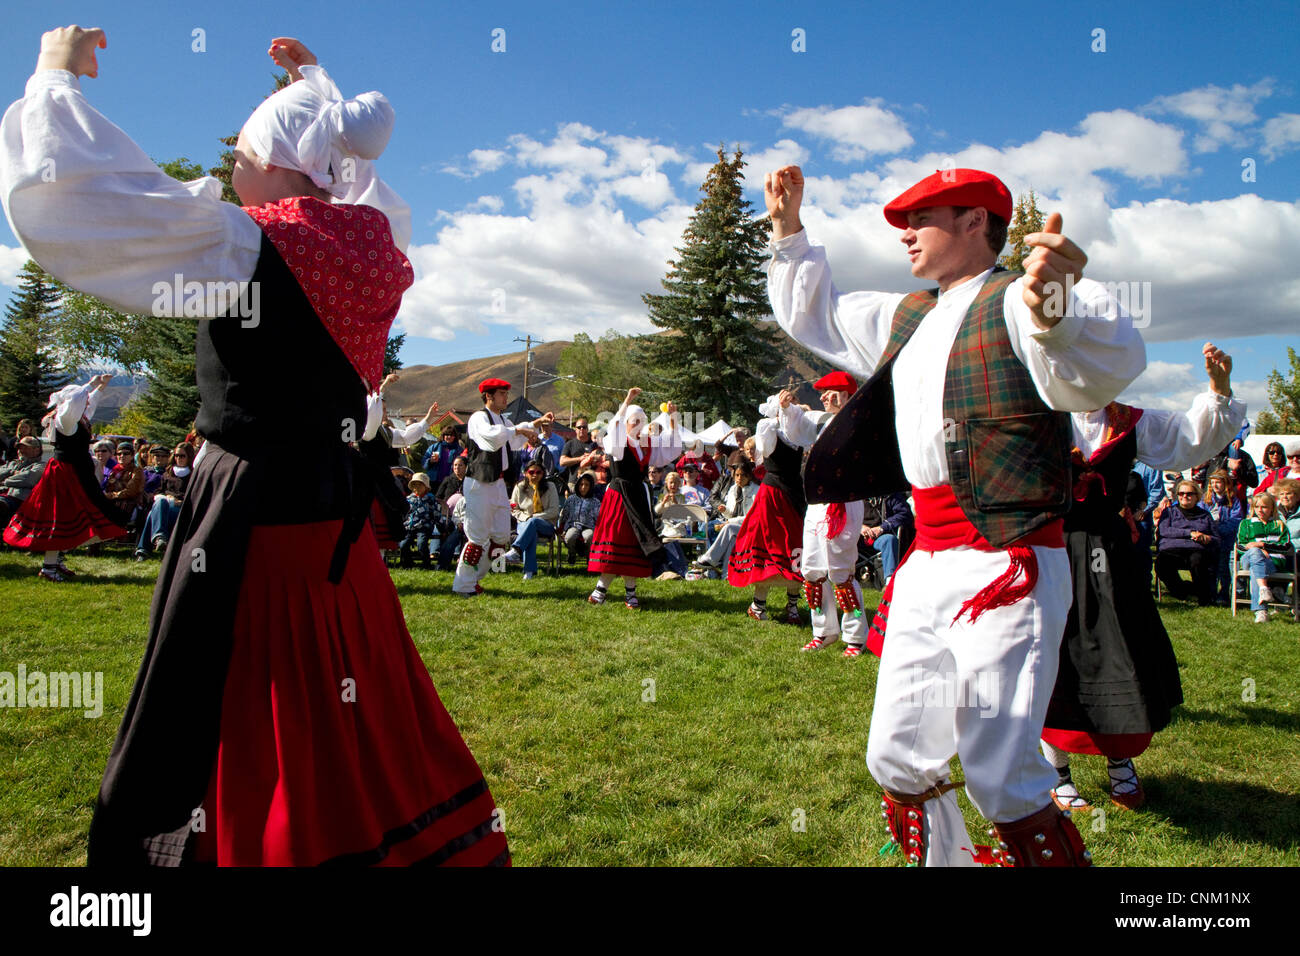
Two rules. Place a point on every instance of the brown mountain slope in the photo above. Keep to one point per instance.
(455, 385)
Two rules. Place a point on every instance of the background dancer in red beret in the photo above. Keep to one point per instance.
(967, 398)
(830, 532)
(487, 502)
(282, 715)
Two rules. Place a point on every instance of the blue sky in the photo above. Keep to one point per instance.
(550, 182)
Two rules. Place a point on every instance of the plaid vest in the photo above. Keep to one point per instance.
(1008, 453)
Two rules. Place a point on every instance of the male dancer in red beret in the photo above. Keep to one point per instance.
(830, 532)
(968, 390)
(487, 503)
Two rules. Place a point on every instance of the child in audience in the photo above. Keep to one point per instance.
(420, 522)
(1261, 532)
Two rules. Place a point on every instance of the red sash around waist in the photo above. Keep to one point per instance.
(941, 525)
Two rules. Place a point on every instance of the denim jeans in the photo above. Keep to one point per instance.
(526, 540)
(1260, 566)
(887, 546)
(416, 540)
(161, 520)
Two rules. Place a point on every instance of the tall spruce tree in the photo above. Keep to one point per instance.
(1282, 417)
(1026, 219)
(718, 360)
(29, 366)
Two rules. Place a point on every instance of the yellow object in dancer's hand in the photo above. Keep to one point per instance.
(663, 407)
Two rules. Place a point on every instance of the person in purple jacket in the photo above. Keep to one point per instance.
(1187, 540)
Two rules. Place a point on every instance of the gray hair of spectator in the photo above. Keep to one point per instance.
(27, 441)
(104, 446)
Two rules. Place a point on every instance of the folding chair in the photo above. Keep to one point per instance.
(1289, 574)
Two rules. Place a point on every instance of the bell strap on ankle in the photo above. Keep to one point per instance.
(904, 815)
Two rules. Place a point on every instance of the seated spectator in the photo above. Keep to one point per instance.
(19, 477)
(126, 483)
(731, 515)
(105, 463)
(166, 503)
(535, 450)
(655, 479)
(25, 428)
(1274, 464)
(159, 459)
(885, 522)
(454, 527)
(441, 455)
(1287, 493)
(578, 516)
(706, 470)
(421, 521)
(1227, 512)
(1187, 540)
(675, 560)
(1242, 474)
(692, 492)
(453, 484)
(535, 504)
(1266, 541)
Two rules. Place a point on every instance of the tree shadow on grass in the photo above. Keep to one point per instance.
(1208, 809)
(1248, 715)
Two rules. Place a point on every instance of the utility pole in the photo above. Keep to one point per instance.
(528, 358)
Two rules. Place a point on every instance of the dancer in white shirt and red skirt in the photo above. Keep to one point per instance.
(282, 715)
(625, 542)
(768, 547)
(67, 508)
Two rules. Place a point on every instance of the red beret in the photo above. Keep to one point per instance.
(836, 382)
(952, 187)
(491, 385)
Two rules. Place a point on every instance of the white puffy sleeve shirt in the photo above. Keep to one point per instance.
(1082, 363)
(1171, 440)
(490, 435)
(96, 212)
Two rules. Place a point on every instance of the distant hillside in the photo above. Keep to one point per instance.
(456, 385)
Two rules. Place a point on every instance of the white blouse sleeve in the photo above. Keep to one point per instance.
(1179, 440)
(1086, 359)
(72, 408)
(374, 415)
(765, 439)
(95, 212)
(848, 330)
(666, 447)
(405, 437)
(801, 427)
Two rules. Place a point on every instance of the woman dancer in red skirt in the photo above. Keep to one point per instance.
(67, 508)
(282, 715)
(625, 542)
(767, 548)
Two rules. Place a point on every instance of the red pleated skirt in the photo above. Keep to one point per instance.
(1106, 745)
(58, 515)
(614, 547)
(765, 548)
(334, 746)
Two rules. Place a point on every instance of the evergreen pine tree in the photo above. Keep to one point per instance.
(1282, 417)
(1026, 219)
(29, 368)
(717, 360)
(392, 353)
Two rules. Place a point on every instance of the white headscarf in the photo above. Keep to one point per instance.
(309, 127)
(770, 408)
(631, 414)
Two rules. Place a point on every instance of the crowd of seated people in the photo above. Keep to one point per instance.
(1192, 526)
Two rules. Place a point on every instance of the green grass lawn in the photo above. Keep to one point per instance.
(739, 736)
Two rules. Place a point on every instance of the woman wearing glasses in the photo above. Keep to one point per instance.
(1280, 461)
(166, 503)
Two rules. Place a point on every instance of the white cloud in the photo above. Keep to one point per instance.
(1219, 113)
(486, 204)
(12, 259)
(855, 131)
(480, 161)
(784, 152)
(1281, 134)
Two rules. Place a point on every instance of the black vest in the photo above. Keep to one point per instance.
(484, 465)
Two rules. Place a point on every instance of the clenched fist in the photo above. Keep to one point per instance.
(72, 49)
(783, 193)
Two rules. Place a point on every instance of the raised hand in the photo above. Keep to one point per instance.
(785, 397)
(1218, 365)
(72, 49)
(632, 394)
(290, 54)
(433, 411)
(783, 193)
(1046, 268)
